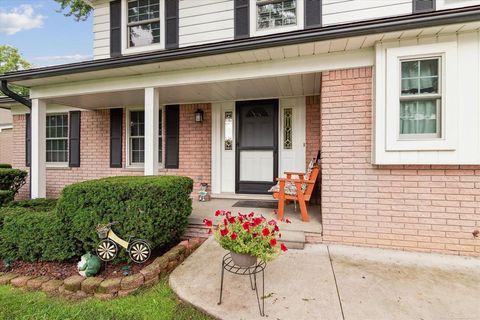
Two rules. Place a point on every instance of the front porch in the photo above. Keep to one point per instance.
(294, 234)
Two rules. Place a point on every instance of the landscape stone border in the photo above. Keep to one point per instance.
(80, 287)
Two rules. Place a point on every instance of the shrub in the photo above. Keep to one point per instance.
(12, 179)
(5, 197)
(5, 165)
(30, 234)
(152, 208)
(34, 204)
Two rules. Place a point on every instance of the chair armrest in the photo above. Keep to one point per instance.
(295, 173)
(294, 180)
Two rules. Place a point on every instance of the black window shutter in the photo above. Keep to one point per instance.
(116, 120)
(28, 140)
(313, 13)
(242, 19)
(116, 28)
(172, 135)
(171, 24)
(74, 139)
(423, 6)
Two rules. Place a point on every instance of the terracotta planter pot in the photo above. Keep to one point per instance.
(243, 260)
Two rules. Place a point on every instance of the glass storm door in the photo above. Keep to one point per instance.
(256, 146)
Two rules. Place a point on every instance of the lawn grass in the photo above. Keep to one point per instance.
(158, 302)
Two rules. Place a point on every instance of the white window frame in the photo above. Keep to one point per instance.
(439, 96)
(126, 49)
(50, 164)
(388, 64)
(253, 20)
(129, 163)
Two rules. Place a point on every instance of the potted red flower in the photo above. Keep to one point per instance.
(247, 237)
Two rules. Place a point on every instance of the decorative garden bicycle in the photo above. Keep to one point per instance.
(107, 249)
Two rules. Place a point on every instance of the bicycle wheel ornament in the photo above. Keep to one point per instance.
(139, 251)
(107, 250)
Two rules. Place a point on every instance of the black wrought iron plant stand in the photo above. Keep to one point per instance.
(258, 268)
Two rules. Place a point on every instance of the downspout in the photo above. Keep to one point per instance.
(27, 103)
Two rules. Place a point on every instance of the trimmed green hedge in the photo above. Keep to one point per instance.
(11, 180)
(152, 208)
(30, 235)
(5, 197)
(5, 165)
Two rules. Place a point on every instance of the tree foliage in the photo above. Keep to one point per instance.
(79, 9)
(11, 60)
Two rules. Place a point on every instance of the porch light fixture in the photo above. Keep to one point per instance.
(199, 115)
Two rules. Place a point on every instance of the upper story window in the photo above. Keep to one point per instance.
(276, 13)
(57, 138)
(272, 16)
(143, 22)
(420, 98)
(142, 26)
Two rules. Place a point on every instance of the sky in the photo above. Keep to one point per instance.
(44, 36)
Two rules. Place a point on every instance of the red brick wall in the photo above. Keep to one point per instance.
(195, 154)
(423, 208)
(312, 127)
(6, 146)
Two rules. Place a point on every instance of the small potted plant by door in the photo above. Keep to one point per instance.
(248, 237)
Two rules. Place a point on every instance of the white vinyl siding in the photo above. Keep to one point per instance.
(101, 30)
(450, 4)
(344, 11)
(205, 21)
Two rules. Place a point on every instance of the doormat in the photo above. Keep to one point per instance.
(256, 204)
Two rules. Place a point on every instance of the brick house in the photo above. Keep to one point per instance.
(234, 93)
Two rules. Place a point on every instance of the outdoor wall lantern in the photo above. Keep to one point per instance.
(199, 115)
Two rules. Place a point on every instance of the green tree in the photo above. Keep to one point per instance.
(11, 60)
(79, 9)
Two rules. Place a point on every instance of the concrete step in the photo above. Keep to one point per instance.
(293, 239)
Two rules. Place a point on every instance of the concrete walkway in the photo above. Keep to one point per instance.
(337, 282)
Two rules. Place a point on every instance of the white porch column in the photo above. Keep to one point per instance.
(38, 169)
(151, 131)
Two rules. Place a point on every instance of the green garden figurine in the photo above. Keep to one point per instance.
(89, 265)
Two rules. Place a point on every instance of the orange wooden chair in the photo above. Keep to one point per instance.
(300, 189)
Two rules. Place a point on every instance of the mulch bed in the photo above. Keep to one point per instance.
(63, 270)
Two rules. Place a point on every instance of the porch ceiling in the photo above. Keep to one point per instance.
(283, 86)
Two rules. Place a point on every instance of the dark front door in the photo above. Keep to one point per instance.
(256, 164)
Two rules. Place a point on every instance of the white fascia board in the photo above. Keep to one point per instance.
(244, 71)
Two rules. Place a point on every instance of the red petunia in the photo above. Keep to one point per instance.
(276, 228)
(225, 222)
(233, 236)
(265, 232)
(254, 235)
(251, 214)
(257, 221)
(283, 247)
(246, 226)
(288, 221)
(273, 242)
(207, 222)
(224, 232)
(218, 212)
(231, 219)
(272, 222)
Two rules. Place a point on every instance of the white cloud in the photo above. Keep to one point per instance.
(19, 18)
(46, 61)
